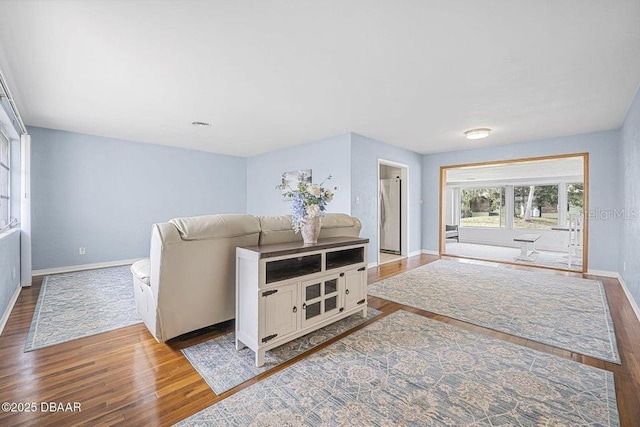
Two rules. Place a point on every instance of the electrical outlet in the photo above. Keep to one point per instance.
(624, 266)
(357, 200)
(81, 250)
(13, 273)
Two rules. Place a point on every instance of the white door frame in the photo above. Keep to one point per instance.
(404, 206)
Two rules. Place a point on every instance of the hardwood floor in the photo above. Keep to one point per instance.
(125, 377)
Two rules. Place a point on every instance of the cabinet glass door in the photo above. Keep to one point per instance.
(312, 291)
(320, 299)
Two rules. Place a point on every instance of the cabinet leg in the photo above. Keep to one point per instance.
(364, 312)
(239, 345)
(260, 358)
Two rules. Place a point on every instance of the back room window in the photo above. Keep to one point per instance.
(4, 181)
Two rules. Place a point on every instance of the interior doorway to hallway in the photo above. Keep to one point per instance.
(392, 211)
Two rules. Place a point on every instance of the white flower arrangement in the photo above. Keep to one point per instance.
(309, 201)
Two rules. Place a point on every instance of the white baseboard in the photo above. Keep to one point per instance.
(81, 267)
(430, 252)
(603, 273)
(616, 275)
(633, 303)
(7, 312)
(414, 253)
(372, 265)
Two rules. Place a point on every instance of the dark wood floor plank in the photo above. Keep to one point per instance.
(126, 377)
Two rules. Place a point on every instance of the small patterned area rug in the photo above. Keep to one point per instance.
(83, 303)
(223, 367)
(566, 312)
(406, 369)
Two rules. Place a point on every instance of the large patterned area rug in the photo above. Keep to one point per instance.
(566, 312)
(80, 304)
(223, 367)
(406, 369)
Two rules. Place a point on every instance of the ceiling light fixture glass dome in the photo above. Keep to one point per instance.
(477, 133)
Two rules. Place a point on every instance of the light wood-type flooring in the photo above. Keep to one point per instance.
(125, 377)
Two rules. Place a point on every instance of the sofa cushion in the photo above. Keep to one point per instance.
(142, 270)
(277, 229)
(339, 220)
(215, 226)
(275, 223)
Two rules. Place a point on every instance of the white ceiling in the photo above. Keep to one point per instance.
(270, 74)
(569, 169)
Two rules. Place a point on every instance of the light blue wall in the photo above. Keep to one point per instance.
(9, 267)
(352, 160)
(365, 153)
(629, 167)
(330, 156)
(603, 186)
(99, 192)
(104, 194)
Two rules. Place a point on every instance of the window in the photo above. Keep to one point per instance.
(4, 182)
(482, 207)
(575, 199)
(535, 206)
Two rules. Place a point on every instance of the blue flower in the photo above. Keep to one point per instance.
(309, 201)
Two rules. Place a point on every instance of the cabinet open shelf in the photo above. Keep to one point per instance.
(338, 259)
(293, 267)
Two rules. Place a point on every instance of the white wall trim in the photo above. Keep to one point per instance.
(414, 253)
(430, 252)
(7, 312)
(25, 211)
(82, 267)
(7, 232)
(372, 265)
(604, 273)
(635, 307)
(616, 275)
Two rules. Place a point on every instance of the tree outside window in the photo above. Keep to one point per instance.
(482, 207)
(575, 199)
(535, 206)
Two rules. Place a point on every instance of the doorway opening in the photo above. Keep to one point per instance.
(522, 211)
(392, 211)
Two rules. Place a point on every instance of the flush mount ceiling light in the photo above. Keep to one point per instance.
(201, 124)
(478, 133)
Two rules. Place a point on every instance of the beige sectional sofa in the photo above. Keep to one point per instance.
(188, 281)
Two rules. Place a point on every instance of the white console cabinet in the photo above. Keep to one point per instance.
(287, 290)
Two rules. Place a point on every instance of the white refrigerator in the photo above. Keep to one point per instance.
(390, 211)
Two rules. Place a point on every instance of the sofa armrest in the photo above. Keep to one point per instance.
(163, 235)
